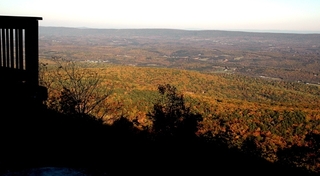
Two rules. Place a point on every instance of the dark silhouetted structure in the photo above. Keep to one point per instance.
(19, 58)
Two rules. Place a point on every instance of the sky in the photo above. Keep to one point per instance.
(239, 15)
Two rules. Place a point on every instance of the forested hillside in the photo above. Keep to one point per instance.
(271, 119)
(254, 93)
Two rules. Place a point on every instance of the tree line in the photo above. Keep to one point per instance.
(269, 132)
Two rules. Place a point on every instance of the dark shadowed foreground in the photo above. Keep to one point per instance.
(34, 137)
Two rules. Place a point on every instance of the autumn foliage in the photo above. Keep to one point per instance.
(269, 119)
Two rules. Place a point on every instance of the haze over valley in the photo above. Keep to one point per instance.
(284, 56)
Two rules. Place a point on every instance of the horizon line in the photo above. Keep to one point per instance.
(200, 29)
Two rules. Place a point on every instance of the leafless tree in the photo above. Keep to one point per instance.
(77, 90)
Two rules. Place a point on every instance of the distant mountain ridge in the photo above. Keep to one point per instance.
(69, 31)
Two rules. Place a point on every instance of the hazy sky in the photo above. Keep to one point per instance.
(289, 15)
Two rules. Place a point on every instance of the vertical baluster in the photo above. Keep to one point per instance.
(8, 48)
(20, 50)
(1, 47)
(16, 37)
(4, 47)
(11, 49)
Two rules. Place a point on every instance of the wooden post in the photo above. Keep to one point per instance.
(31, 52)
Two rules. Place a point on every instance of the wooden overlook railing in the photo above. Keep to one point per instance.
(19, 48)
